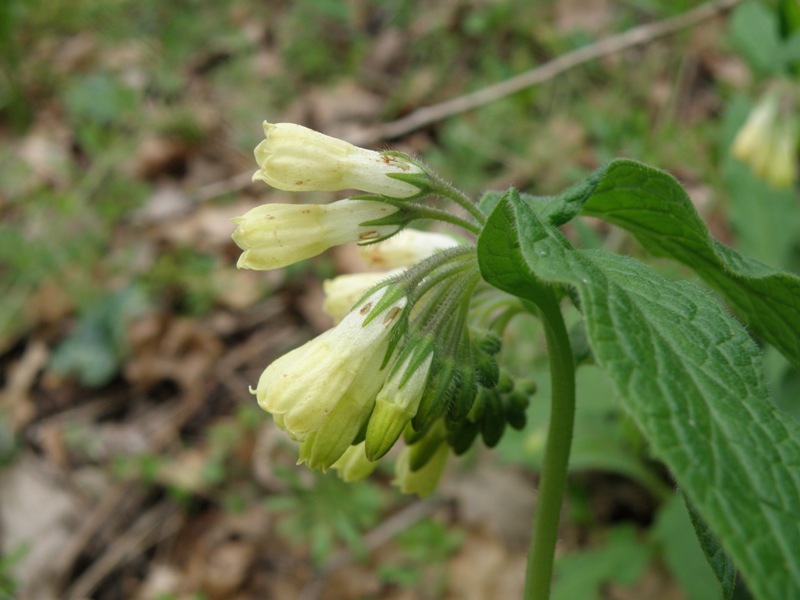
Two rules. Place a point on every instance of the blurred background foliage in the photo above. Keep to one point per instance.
(135, 463)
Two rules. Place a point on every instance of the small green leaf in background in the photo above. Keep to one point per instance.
(687, 373)
(754, 31)
(95, 349)
(582, 575)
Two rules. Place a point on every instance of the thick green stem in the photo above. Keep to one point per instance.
(553, 479)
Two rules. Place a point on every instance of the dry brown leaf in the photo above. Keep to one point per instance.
(495, 499)
(37, 513)
(15, 398)
(483, 568)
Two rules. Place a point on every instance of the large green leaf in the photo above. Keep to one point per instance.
(690, 377)
(653, 206)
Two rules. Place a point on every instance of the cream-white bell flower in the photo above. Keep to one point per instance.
(295, 158)
(277, 235)
(406, 248)
(322, 393)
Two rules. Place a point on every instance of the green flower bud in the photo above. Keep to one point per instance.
(493, 419)
(397, 402)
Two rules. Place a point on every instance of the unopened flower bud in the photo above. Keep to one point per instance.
(397, 403)
(295, 158)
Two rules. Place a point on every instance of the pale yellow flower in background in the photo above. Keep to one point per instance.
(768, 140)
(406, 248)
(754, 137)
(423, 481)
(277, 235)
(354, 465)
(342, 292)
(295, 158)
(783, 172)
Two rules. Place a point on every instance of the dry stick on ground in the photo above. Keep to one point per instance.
(438, 112)
(633, 37)
(158, 523)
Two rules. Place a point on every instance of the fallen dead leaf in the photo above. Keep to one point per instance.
(484, 568)
(37, 515)
(15, 399)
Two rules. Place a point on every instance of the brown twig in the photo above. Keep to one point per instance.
(159, 522)
(633, 37)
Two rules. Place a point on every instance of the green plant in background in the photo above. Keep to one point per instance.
(417, 356)
(324, 511)
(424, 547)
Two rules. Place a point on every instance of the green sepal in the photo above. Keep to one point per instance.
(419, 349)
(487, 370)
(461, 436)
(465, 382)
(437, 395)
(420, 180)
(424, 449)
(362, 433)
(486, 341)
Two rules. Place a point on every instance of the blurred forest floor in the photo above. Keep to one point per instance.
(134, 462)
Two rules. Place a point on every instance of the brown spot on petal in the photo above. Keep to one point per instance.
(392, 315)
(365, 309)
(367, 235)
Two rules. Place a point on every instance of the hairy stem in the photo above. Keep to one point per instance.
(553, 477)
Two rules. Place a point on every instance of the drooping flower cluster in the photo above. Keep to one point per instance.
(412, 355)
(768, 141)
